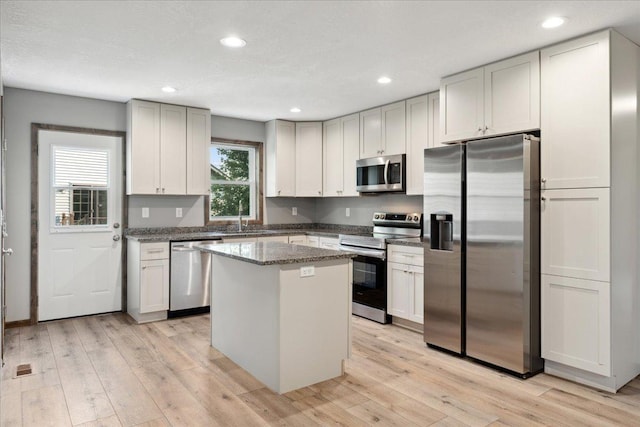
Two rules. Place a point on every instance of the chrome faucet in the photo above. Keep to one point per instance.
(240, 217)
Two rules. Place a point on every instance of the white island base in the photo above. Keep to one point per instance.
(286, 330)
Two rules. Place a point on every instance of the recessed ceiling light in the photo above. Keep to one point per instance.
(295, 110)
(168, 89)
(232, 42)
(553, 22)
(384, 80)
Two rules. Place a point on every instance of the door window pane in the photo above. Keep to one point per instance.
(80, 186)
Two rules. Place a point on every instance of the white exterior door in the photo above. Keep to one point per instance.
(79, 224)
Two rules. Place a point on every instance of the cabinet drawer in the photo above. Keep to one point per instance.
(405, 255)
(150, 251)
(328, 243)
(313, 241)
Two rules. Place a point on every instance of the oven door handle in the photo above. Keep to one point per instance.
(364, 252)
(386, 172)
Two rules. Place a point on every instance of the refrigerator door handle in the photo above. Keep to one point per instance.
(386, 171)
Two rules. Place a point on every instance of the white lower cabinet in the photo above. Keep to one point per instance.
(328, 243)
(313, 241)
(576, 323)
(147, 280)
(298, 240)
(281, 239)
(405, 283)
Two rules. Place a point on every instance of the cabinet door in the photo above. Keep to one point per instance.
(173, 149)
(281, 158)
(393, 129)
(416, 294)
(351, 147)
(462, 106)
(143, 147)
(328, 243)
(298, 240)
(434, 120)
(512, 95)
(398, 289)
(576, 115)
(198, 143)
(313, 241)
(309, 159)
(370, 133)
(576, 323)
(154, 285)
(417, 112)
(575, 233)
(281, 239)
(332, 151)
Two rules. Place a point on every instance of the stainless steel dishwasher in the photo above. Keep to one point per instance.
(190, 278)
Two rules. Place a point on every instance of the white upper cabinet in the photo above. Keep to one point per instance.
(382, 131)
(461, 106)
(167, 149)
(281, 158)
(370, 133)
(143, 147)
(333, 158)
(417, 111)
(500, 98)
(309, 159)
(512, 95)
(198, 144)
(576, 113)
(351, 152)
(341, 150)
(434, 120)
(393, 129)
(173, 149)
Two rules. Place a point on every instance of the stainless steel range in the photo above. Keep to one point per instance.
(370, 266)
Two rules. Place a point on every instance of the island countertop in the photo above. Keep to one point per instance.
(273, 253)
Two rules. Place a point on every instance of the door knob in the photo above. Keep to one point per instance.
(7, 251)
(116, 225)
(116, 237)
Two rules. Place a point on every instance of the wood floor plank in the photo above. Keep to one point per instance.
(10, 409)
(325, 412)
(85, 396)
(177, 404)
(111, 421)
(129, 398)
(276, 409)
(45, 406)
(375, 414)
(227, 408)
(35, 348)
(162, 348)
(338, 393)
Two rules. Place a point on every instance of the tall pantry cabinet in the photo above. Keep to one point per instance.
(590, 210)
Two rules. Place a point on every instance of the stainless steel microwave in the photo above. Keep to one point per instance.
(381, 174)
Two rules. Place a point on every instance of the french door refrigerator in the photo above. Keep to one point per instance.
(482, 251)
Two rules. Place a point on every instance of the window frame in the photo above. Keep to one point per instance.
(259, 183)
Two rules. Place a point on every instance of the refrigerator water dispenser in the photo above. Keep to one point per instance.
(442, 232)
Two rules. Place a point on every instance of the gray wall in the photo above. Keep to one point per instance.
(23, 107)
(332, 210)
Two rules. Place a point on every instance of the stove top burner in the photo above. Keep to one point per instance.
(386, 226)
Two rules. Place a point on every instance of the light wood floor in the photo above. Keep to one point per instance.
(106, 371)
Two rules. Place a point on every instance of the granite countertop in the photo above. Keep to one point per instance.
(145, 236)
(273, 253)
(407, 241)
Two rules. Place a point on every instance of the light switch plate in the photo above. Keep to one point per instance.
(178, 212)
(348, 212)
(294, 211)
(307, 271)
(145, 212)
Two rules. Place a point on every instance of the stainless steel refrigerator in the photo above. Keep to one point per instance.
(482, 250)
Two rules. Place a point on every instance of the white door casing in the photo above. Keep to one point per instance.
(79, 266)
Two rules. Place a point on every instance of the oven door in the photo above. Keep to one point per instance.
(370, 282)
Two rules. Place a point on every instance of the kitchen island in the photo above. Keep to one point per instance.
(282, 312)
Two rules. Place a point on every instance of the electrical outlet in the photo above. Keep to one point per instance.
(348, 212)
(307, 271)
(178, 212)
(294, 211)
(145, 212)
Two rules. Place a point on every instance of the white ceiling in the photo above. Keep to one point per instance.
(321, 56)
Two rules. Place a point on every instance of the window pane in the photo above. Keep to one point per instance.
(226, 199)
(228, 164)
(80, 206)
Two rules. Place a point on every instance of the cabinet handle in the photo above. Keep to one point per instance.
(163, 190)
(278, 192)
(543, 199)
(319, 192)
(157, 189)
(144, 267)
(486, 128)
(480, 129)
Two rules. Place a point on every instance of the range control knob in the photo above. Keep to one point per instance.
(376, 216)
(381, 216)
(416, 217)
